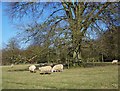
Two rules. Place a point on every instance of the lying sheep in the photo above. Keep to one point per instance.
(57, 68)
(114, 61)
(45, 70)
(32, 68)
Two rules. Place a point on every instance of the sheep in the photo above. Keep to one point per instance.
(45, 70)
(12, 65)
(114, 61)
(32, 68)
(57, 68)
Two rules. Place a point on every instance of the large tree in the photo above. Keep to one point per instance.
(71, 21)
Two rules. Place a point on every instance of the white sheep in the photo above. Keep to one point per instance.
(45, 70)
(114, 61)
(12, 65)
(57, 68)
(32, 68)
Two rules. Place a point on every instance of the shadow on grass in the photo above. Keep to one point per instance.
(45, 73)
(12, 70)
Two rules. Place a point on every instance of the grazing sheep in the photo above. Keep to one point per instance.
(114, 61)
(45, 70)
(57, 68)
(32, 68)
(12, 65)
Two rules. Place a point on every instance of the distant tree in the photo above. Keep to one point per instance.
(0, 57)
(11, 51)
(108, 44)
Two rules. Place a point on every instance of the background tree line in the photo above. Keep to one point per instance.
(105, 46)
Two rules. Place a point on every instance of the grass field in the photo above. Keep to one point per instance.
(103, 77)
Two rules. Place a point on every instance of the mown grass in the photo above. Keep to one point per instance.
(103, 77)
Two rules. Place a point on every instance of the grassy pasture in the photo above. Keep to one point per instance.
(102, 77)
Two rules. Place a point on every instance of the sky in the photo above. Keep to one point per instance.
(8, 31)
(0, 25)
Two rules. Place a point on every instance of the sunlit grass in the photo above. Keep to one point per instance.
(103, 77)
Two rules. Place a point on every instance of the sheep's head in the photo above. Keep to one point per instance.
(52, 70)
(39, 68)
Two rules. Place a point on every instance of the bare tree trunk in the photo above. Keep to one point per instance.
(102, 58)
(77, 55)
(68, 64)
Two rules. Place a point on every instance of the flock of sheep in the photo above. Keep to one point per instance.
(47, 69)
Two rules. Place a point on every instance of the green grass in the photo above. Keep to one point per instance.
(103, 77)
(0, 78)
